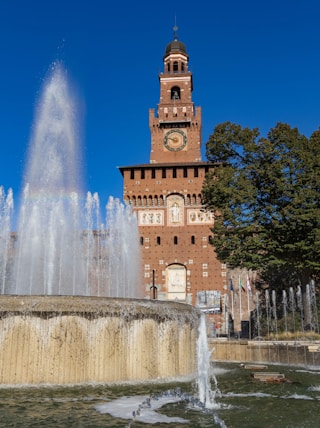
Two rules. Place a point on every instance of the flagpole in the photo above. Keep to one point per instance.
(226, 313)
(240, 290)
(249, 318)
(248, 300)
(232, 305)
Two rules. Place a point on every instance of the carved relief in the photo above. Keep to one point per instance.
(175, 213)
(196, 216)
(151, 218)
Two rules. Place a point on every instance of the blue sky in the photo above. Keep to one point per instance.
(254, 63)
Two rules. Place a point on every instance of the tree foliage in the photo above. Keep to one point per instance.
(266, 199)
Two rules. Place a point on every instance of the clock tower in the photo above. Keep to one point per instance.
(178, 260)
(176, 128)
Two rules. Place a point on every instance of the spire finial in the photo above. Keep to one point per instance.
(175, 29)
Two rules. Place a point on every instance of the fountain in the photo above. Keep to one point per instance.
(286, 331)
(69, 312)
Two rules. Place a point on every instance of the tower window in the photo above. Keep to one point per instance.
(182, 66)
(175, 93)
(132, 174)
(153, 173)
(158, 240)
(193, 240)
(196, 172)
(141, 240)
(175, 240)
(174, 173)
(175, 67)
(142, 174)
(164, 173)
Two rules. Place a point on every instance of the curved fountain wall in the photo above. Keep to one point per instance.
(75, 340)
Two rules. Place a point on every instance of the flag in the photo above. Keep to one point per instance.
(231, 285)
(241, 287)
(248, 284)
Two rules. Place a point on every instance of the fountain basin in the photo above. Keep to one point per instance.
(76, 340)
(296, 353)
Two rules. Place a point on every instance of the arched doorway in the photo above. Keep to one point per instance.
(176, 279)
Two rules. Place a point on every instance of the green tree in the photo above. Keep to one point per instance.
(266, 199)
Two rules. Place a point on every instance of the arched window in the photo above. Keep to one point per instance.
(182, 66)
(175, 93)
(175, 67)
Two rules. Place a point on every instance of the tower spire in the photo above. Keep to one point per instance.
(175, 29)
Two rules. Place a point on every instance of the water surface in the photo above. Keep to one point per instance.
(242, 402)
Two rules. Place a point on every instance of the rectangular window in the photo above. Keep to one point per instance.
(209, 300)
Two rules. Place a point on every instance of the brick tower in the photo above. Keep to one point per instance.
(178, 261)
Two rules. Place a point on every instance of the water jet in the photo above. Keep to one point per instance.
(70, 280)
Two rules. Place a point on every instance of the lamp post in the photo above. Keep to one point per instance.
(153, 288)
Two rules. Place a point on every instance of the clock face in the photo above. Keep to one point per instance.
(175, 140)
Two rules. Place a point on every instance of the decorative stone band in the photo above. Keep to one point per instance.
(62, 340)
